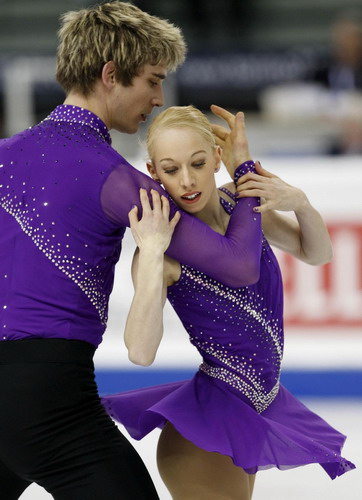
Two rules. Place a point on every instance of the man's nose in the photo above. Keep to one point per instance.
(159, 99)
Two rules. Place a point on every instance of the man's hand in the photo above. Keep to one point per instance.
(233, 142)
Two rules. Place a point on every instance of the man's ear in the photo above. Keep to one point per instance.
(109, 74)
(152, 171)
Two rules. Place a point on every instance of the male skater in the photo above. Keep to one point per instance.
(65, 195)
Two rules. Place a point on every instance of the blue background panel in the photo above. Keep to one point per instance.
(302, 383)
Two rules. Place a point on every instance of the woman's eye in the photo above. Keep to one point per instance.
(153, 83)
(199, 164)
(170, 171)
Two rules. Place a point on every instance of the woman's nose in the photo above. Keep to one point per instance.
(187, 179)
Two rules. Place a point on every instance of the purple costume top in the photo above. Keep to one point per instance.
(234, 405)
(238, 331)
(65, 194)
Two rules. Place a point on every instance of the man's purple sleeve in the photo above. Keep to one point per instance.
(233, 259)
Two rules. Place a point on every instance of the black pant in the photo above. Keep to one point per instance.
(54, 430)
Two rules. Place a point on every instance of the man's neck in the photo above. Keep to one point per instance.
(91, 103)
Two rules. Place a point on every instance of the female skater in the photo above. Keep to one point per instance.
(233, 417)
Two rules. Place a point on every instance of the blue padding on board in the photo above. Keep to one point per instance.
(332, 383)
(329, 383)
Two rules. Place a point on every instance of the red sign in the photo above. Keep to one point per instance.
(330, 294)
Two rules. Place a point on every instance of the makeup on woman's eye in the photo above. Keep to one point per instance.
(171, 170)
(199, 164)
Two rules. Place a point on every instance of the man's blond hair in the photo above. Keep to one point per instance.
(118, 32)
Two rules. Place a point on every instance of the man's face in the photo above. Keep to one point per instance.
(129, 106)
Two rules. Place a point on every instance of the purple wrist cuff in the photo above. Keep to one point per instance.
(244, 168)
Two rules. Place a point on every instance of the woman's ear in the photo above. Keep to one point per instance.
(152, 171)
(109, 74)
(218, 153)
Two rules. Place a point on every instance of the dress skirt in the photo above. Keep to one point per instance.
(215, 417)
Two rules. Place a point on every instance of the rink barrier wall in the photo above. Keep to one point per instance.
(302, 383)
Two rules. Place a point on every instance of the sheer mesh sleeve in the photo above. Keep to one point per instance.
(233, 259)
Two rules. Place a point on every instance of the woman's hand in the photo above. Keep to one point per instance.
(275, 194)
(233, 142)
(306, 238)
(154, 230)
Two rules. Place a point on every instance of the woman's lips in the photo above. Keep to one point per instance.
(190, 198)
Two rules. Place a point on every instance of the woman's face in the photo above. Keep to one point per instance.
(185, 163)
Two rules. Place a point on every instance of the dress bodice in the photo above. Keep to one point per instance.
(238, 331)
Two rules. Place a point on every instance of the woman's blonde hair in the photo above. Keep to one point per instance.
(179, 117)
(118, 32)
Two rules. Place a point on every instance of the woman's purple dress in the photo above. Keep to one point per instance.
(235, 404)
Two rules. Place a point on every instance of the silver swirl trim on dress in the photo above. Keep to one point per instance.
(228, 294)
(259, 400)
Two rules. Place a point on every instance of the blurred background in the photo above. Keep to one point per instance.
(295, 69)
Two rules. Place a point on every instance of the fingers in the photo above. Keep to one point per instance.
(261, 171)
(157, 205)
(224, 114)
(166, 213)
(161, 205)
(174, 220)
(250, 176)
(145, 202)
(133, 216)
(156, 201)
(241, 147)
(219, 131)
(258, 176)
(250, 186)
(165, 207)
(263, 207)
(239, 124)
(219, 142)
(250, 193)
(160, 209)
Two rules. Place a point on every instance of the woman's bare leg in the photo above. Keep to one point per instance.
(251, 483)
(191, 473)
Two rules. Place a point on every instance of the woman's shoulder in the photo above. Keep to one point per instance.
(227, 192)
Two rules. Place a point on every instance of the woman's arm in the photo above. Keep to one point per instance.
(144, 325)
(233, 259)
(307, 237)
(152, 233)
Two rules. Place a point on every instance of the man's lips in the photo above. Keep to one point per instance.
(145, 115)
(190, 198)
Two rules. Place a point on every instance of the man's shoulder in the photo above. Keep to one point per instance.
(59, 146)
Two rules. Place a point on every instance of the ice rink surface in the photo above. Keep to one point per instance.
(303, 483)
